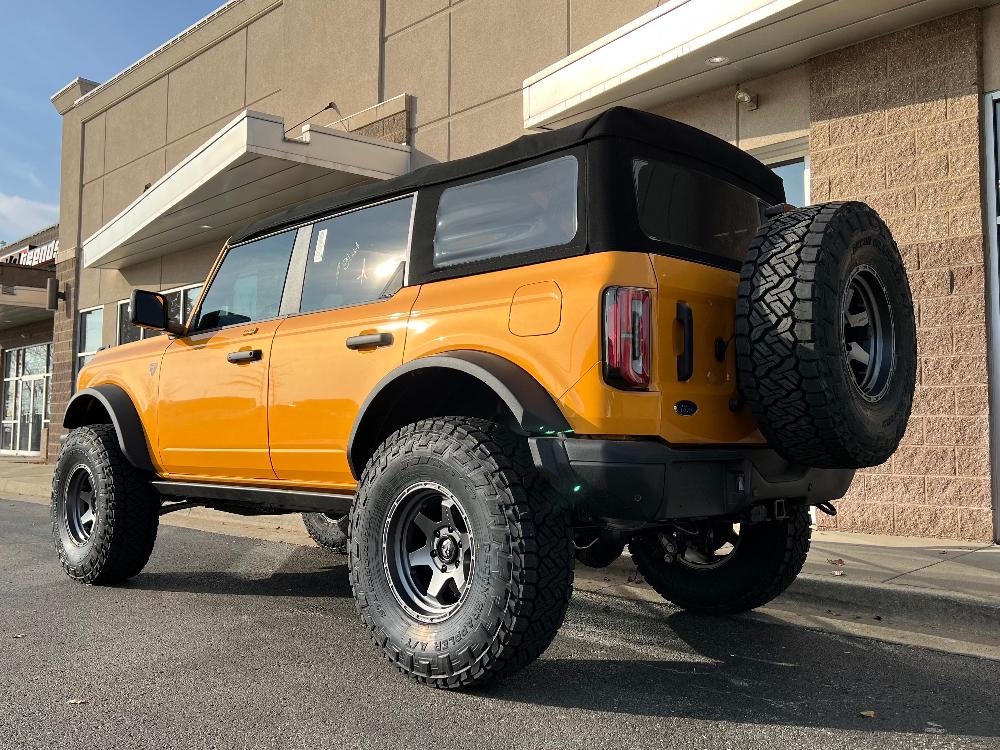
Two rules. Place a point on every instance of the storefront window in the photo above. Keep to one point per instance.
(793, 174)
(180, 302)
(90, 334)
(25, 393)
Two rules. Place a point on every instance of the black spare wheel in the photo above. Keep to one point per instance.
(826, 346)
(460, 554)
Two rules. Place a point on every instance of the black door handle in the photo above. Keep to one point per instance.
(369, 340)
(685, 360)
(246, 355)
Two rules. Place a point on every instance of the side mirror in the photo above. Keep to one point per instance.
(150, 310)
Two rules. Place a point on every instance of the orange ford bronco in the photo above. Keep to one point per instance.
(469, 376)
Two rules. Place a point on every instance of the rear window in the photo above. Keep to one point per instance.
(687, 208)
(527, 209)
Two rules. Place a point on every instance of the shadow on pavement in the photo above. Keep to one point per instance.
(736, 669)
(306, 572)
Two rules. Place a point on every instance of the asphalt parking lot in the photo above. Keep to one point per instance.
(225, 642)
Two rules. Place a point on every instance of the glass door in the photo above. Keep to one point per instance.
(26, 374)
(991, 138)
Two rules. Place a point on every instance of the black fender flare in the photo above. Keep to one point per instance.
(124, 418)
(534, 409)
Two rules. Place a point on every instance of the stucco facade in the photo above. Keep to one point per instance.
(894, 120)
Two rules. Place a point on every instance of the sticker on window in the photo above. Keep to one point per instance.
(320, 246)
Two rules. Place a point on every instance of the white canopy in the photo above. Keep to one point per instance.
(247, 170)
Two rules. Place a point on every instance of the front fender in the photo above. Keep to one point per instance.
(86, 406)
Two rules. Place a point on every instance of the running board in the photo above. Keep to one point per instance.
(255, 500)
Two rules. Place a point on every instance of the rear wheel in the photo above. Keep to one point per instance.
(327, 530)
(460, 555)
(104, 512)
(719, 568)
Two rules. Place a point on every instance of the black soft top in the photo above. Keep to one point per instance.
(621, 123)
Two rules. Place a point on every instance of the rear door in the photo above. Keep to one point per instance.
(348, 333)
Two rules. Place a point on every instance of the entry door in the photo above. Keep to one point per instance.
(213, 382)
(349, 333)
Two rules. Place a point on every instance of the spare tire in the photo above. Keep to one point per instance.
(825, 338)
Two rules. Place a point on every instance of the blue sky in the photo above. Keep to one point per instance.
(43, 46)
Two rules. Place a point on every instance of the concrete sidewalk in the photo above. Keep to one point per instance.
(933, 592)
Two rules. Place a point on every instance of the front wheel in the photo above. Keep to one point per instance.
(460, 555)
(724, 568)
(105, 514)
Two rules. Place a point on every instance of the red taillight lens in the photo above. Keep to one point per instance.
(627, 350)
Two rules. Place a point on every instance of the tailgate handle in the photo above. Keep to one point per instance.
(685, 360)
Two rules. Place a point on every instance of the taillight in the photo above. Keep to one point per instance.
(627, 350)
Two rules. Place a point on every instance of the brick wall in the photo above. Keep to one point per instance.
(63, 350)
(896, 123)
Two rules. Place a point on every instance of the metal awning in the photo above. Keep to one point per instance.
(23, 295)
(664, 54)
(247, 170)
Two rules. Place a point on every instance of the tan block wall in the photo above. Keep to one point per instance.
(896, 123)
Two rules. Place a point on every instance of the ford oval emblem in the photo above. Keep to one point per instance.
(685, 408)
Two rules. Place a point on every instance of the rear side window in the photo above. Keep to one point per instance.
(687, 208)
(527, 209)
(354, 257)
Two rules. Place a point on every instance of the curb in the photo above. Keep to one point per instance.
(953, 611)
(31, 491)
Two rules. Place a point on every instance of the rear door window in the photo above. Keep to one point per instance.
(519, 211)
(357, 257)
(693, 210)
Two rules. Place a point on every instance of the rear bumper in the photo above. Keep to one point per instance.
(644, 480)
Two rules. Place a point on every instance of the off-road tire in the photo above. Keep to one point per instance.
(324, 529)
(523, 567)
(126, 510)
(791, 343)
(768, 558)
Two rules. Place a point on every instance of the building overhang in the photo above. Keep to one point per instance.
(23, 295)
(663, 55)
(247, 170)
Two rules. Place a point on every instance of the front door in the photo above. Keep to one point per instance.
(349, 334)
(213, 382)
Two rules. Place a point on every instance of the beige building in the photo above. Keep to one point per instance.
(265, 103)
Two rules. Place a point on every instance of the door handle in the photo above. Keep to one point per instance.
(685, 360)
(246, 355)
(369, 341)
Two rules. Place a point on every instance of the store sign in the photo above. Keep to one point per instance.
(31, 255)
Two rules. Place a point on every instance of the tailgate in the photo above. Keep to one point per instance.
(696, 306)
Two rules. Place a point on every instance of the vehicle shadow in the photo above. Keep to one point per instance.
(750, 670)
(299, 572)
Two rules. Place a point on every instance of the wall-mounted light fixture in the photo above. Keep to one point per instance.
(748, 100)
